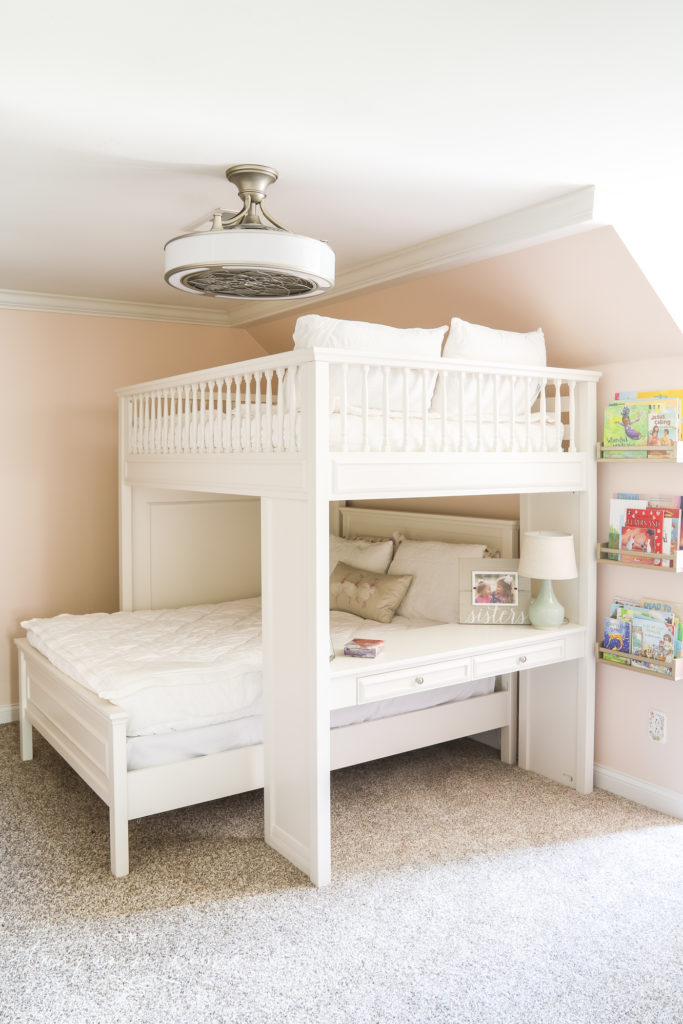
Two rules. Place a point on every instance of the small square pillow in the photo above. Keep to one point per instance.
(361, 553)
(474, 343)
(371, 595)
(435, 568)
(313, 331)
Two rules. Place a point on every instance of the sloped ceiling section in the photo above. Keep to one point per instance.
(586, 292)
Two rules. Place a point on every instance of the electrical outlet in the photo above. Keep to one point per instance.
(657, 727)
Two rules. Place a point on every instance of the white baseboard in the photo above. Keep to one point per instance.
(9, 713)
(668, 801)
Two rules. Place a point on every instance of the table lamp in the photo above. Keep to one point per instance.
(547, 555)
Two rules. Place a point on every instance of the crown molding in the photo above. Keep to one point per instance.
(78, 305)
(543, 222)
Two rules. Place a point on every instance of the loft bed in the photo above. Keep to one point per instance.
(295, 436)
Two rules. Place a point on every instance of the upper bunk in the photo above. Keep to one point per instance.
(356, 426)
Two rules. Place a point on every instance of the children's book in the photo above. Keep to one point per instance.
(652, 639)
(625, 426)
(662, 428)
(635, 396)
(362, 648)
(642, 531)
(617, 637)
(621, 503)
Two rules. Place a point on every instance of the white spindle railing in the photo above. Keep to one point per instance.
(379, 406)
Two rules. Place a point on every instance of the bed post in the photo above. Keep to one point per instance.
(118, 796)
(125, 514)
(557, 704)
(295, 585)
(25, 728)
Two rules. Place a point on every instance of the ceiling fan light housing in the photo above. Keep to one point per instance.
(251, 262)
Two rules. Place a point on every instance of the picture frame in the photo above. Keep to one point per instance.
(493, 593)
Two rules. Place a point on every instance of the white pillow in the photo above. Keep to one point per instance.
(361, 553)
(474, 343)
(435, 568)
(313, 331)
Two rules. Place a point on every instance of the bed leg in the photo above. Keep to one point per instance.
(118, 798)
(508, 734)
(25, 728)
(118, 843)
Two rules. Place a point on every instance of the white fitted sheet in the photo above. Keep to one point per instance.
(177, 669)
(149, 751)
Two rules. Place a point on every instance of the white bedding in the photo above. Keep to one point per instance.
(164, 748)
(176, 669)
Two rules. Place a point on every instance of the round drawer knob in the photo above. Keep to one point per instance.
(419, 680)
(522, 659)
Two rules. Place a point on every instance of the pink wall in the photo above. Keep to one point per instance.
(586, 292)
(58, 453)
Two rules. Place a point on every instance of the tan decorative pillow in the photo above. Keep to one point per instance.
(371, 595)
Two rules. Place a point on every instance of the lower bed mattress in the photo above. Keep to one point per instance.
(164, 748)
(190, 678)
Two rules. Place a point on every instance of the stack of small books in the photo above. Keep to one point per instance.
(361, 648)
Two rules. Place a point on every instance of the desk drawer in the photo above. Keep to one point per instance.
(382, 685)
(517, 661)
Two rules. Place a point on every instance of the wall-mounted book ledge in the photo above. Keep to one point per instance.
(652, 453)
(643, 559)
(634, 663)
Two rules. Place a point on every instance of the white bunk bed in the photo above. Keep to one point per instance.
(267, 430)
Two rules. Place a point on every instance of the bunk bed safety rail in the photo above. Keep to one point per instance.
(220, 412)
(376, 405)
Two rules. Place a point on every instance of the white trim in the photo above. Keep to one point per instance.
(554, 218)
(9, 713)
(668, 801)
(79, 305)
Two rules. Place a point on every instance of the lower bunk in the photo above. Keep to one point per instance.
(90, 734)
(161, 709)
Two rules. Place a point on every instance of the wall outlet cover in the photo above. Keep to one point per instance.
(657, 726)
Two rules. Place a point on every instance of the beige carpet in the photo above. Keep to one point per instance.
(464, 891)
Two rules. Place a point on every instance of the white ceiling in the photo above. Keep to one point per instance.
(391, 123)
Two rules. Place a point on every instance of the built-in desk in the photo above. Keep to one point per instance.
(439, 656)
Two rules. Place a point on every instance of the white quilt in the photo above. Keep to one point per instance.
(175, 668)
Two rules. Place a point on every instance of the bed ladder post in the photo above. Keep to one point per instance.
(25, 728)
(295, 569)
(118, 797)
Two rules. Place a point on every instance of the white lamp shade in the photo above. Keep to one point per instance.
(547, 555)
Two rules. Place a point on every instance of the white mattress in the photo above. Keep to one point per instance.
(348, 433)
(148, 751)
(176, 669)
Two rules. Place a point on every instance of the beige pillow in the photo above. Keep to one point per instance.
(435, 568)
(371, 595)
(368, 553)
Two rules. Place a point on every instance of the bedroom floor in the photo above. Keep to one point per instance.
(464, 891)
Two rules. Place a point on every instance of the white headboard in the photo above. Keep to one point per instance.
(499, 535)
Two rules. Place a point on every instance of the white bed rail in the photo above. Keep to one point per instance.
(376, 405)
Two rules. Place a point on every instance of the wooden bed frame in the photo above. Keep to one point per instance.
(90, 733)
(262, 430)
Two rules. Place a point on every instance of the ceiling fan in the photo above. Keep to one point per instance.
(243, 256)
